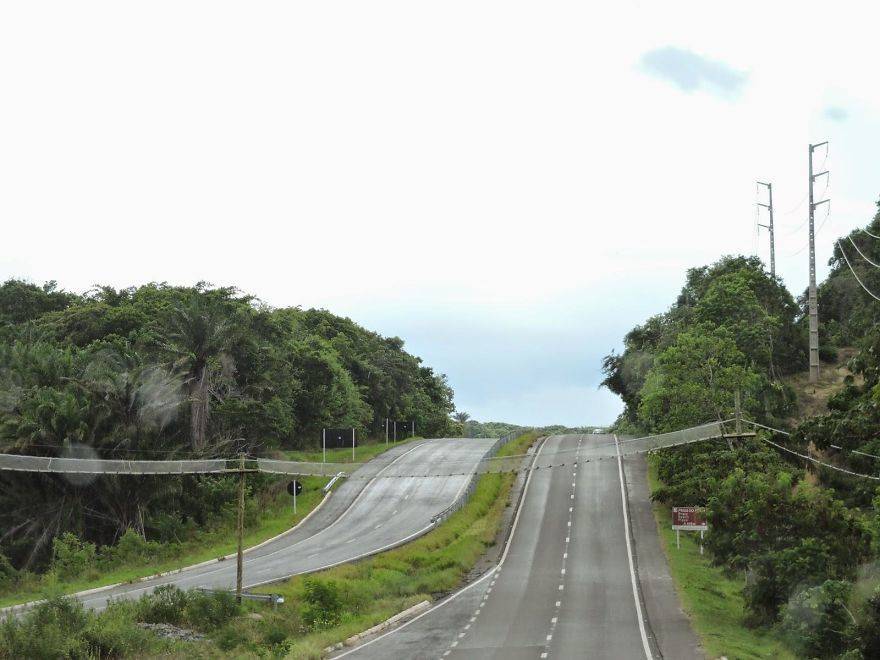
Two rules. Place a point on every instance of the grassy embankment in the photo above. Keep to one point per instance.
(710, 596)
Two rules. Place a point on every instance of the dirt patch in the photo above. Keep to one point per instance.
(812, 399)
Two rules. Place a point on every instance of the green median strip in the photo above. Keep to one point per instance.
(710, 596)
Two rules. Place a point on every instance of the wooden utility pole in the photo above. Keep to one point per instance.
(239, 559)
(813, 298)
(769, 207)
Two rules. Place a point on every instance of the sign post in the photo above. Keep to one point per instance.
(352, 445)
(294, 488)
(689, 519)
(324, 444)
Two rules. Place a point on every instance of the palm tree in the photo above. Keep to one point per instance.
(461, 417)
(201, 329)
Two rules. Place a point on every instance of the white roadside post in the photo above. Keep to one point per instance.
(352, 445)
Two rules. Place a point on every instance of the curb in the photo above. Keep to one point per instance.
(354, 639)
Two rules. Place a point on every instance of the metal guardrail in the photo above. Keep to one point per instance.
(274, 599)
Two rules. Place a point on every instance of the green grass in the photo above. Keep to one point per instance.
(365, 450)
(712, 599)
(277, 516)
(378, 587)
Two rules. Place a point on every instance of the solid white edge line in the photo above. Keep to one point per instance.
(629, 553)
(458, 593)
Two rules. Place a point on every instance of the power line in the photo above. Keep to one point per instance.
(867, 290)
(806, 457)
(862, 253)
(869, 233)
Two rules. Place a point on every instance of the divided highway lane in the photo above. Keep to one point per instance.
(565, 587)
(356, 521)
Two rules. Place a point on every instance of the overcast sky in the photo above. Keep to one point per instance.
(508, 186)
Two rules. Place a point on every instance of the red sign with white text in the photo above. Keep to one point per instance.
(689, 518)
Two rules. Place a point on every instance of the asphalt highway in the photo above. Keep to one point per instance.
(368, 513)
(572, 583)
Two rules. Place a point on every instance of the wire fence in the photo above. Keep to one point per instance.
(465, 464)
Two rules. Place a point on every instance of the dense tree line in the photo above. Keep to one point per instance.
(160, 371)
(802, 536)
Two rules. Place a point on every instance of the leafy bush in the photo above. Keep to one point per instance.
(167, 604)
(8, 574)
(50, 630)
(132, 548)
(114, 633)
(72, 557)
(207, 611)
(322, 606)
(817, 622)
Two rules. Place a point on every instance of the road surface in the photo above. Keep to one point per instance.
(571, 582)
(365, 515)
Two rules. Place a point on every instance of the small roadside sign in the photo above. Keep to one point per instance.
(689, 519)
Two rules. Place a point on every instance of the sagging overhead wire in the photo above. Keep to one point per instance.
(869, 233)
(805, 456)
(862, 253)
(852, 270)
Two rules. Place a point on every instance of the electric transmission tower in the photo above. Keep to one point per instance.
(769, 207)
(813, 299)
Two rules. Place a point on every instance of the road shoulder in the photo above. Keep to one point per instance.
(670, 624)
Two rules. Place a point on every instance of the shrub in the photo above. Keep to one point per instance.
(210, 610)
(50, 630)
(8, 574)
(114, 634)
(816, 620)
(166, 604)
(868, 631)
(132, 548)
(322, 606)
(72, 557)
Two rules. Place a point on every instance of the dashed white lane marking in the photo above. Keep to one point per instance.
(569, 523)
(554, 619)
(565, 555)
(544, 655)
(567, 539)
(563, 572)
(558, 603)
(447, 653)
(561, 587)
(549, 637)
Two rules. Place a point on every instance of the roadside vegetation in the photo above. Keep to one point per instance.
(77, 565)
(363, 452)
(790, 548)
(319, 610)
(162, 372)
